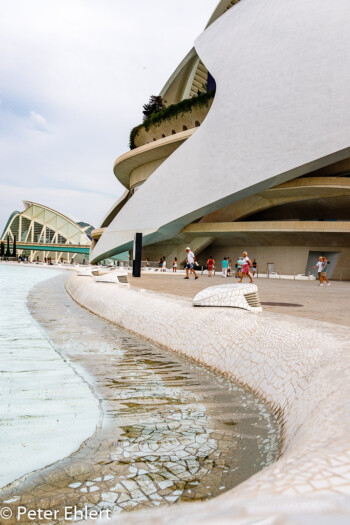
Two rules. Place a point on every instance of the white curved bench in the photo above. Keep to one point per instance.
(85, 273)
(236, 295)
(114, 276)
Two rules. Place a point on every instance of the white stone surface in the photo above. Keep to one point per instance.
(230, 295)
(85, 272)
(105, 275)
(281, 109)
(114, 276)
(299, 366)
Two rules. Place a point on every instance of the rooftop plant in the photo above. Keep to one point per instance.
(171, 112)
(155, 104)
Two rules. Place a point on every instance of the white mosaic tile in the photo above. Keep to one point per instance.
(236, 295)
(300, 367)
(114, 276)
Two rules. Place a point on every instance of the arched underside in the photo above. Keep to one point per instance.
(303, 189)
(270, 227)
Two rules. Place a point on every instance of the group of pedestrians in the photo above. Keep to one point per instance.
(243, 266)
(162, 267)
(322, 266)
(162, 264)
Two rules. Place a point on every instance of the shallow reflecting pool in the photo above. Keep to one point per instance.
(31, 405)
(170, 430)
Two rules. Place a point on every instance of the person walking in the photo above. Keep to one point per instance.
(190, 263)
(319, 265)
(229, 268)
(164, 264)
(224, 267)
(239, 267)
(324, 271)
(210, 263)
(246, 264)
(255, 267)
(175, 265)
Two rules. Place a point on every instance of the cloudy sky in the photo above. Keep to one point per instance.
(74, 75)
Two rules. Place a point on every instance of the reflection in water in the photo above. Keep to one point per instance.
(172, 430)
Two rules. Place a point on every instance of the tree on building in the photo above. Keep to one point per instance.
(155, 104)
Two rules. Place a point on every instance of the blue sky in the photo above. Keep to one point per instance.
(74, 75)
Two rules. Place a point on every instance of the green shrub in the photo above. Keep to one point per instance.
(173, 111)
(155, 104)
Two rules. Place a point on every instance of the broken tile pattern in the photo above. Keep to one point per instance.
(172, 431)
(118, 276)
(231, 295)
(299, 366)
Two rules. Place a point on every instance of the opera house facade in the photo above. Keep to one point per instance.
(252, 151)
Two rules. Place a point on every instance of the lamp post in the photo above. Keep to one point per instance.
(137, 254)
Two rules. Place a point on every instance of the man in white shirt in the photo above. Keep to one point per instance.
(190, 263)
(319, 265)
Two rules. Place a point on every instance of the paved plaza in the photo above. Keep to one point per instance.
(327, 303)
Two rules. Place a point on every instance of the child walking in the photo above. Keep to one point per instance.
(175, 265)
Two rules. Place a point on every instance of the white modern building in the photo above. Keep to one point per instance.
(41, 233)
(257, 159)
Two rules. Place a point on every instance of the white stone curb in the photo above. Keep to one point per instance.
(300, 367)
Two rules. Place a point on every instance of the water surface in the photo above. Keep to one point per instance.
(172, 430)
(40, 394)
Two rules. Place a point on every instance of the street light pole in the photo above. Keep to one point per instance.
(137, 254)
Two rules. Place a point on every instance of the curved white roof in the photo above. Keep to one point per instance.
(45, 217)
(282, 109)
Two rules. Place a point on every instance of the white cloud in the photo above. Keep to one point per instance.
(74, 76)
(38, 121)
